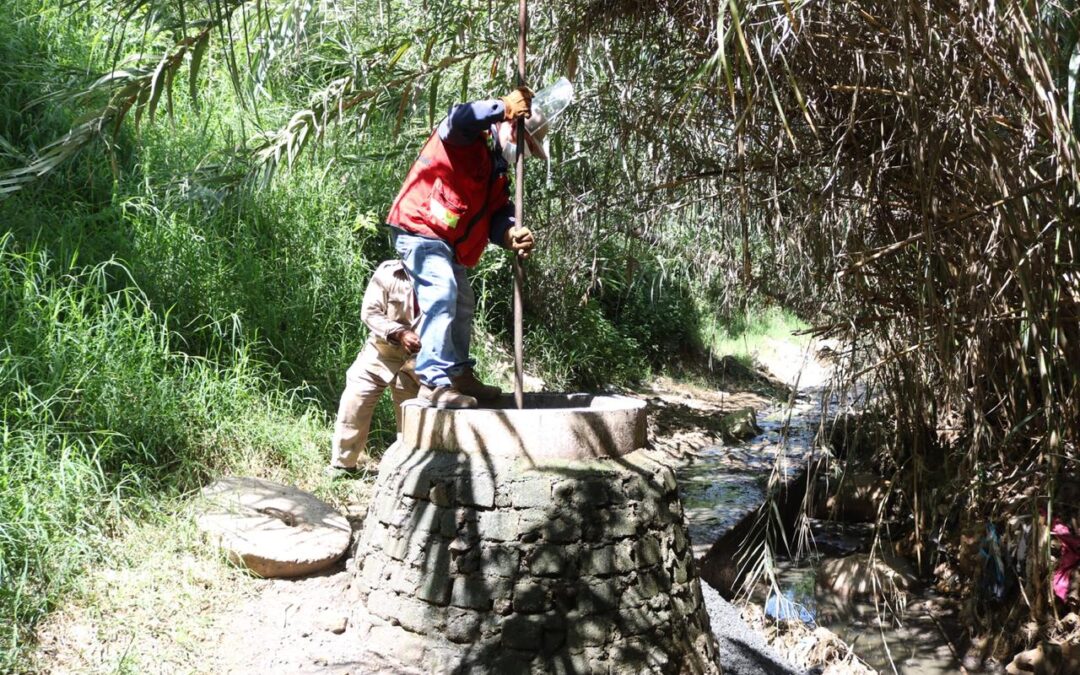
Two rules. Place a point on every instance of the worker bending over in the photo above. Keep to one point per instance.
(454, 201)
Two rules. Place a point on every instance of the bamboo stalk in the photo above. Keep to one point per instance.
(519, 216)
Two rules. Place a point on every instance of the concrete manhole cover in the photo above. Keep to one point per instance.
(274, 530)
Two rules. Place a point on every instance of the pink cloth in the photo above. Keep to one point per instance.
(1070, 557)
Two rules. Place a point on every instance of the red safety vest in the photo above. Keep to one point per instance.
(451, 194)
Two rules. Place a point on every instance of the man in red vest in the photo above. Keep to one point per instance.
(454, 201)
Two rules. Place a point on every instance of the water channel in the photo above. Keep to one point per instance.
(725, 484)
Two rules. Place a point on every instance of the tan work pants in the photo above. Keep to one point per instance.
(371, 373)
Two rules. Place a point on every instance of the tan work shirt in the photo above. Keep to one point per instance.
(389, 306)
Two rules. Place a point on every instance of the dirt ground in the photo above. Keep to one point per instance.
(172, 605)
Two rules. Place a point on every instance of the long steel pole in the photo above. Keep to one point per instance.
(519, 216)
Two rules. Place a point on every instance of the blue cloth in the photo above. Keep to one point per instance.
(467, 121)
(501, 221)
(447, 305)
(785, 608)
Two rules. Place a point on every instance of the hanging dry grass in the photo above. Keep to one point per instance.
(908, 173)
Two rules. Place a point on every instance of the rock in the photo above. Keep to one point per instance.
(591, 630)
(523, 632)
(335, 624)
(858, 497)
(471, 592)
(439, 494)
(549, 561)
(648, 551)
(435, 586)
(462, 626)
(274, 530)
(530, 597)
(530, 494)
(740, 425)
(1047, 658)
(855, 575)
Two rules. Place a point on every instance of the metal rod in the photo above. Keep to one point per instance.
(519, 217)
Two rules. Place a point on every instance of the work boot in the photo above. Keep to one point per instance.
(445, 397)
(467, 383)
(338, 472)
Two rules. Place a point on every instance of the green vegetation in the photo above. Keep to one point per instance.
(162, 322)
(191, 195)
(157, 327)
(748, 334)
(103, 420)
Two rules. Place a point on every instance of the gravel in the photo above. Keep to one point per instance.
(742, 650)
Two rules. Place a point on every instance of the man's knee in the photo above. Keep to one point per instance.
(357, 405)
(345, 433)
(439, 300)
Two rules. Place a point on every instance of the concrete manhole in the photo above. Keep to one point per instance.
(274, 530)
(536, 540)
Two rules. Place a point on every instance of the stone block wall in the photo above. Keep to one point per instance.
(481, 564)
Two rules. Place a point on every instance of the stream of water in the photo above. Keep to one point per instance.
(725, 484)
(923, 638)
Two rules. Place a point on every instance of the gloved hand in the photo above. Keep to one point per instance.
(520, 240)
(518, 103)
(407, 339)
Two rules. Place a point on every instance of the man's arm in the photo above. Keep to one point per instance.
(467, 121)
(501, 221)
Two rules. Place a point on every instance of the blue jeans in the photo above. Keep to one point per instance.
(447, 305)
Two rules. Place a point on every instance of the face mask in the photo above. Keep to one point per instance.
(509, 148)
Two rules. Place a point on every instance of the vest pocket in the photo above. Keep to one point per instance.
(445, 207)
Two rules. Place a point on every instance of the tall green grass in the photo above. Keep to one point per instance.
(158, 327)
(744, 335)
(102, 419)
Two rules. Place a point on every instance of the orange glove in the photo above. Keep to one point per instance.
(518, 103)
(519, 240)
